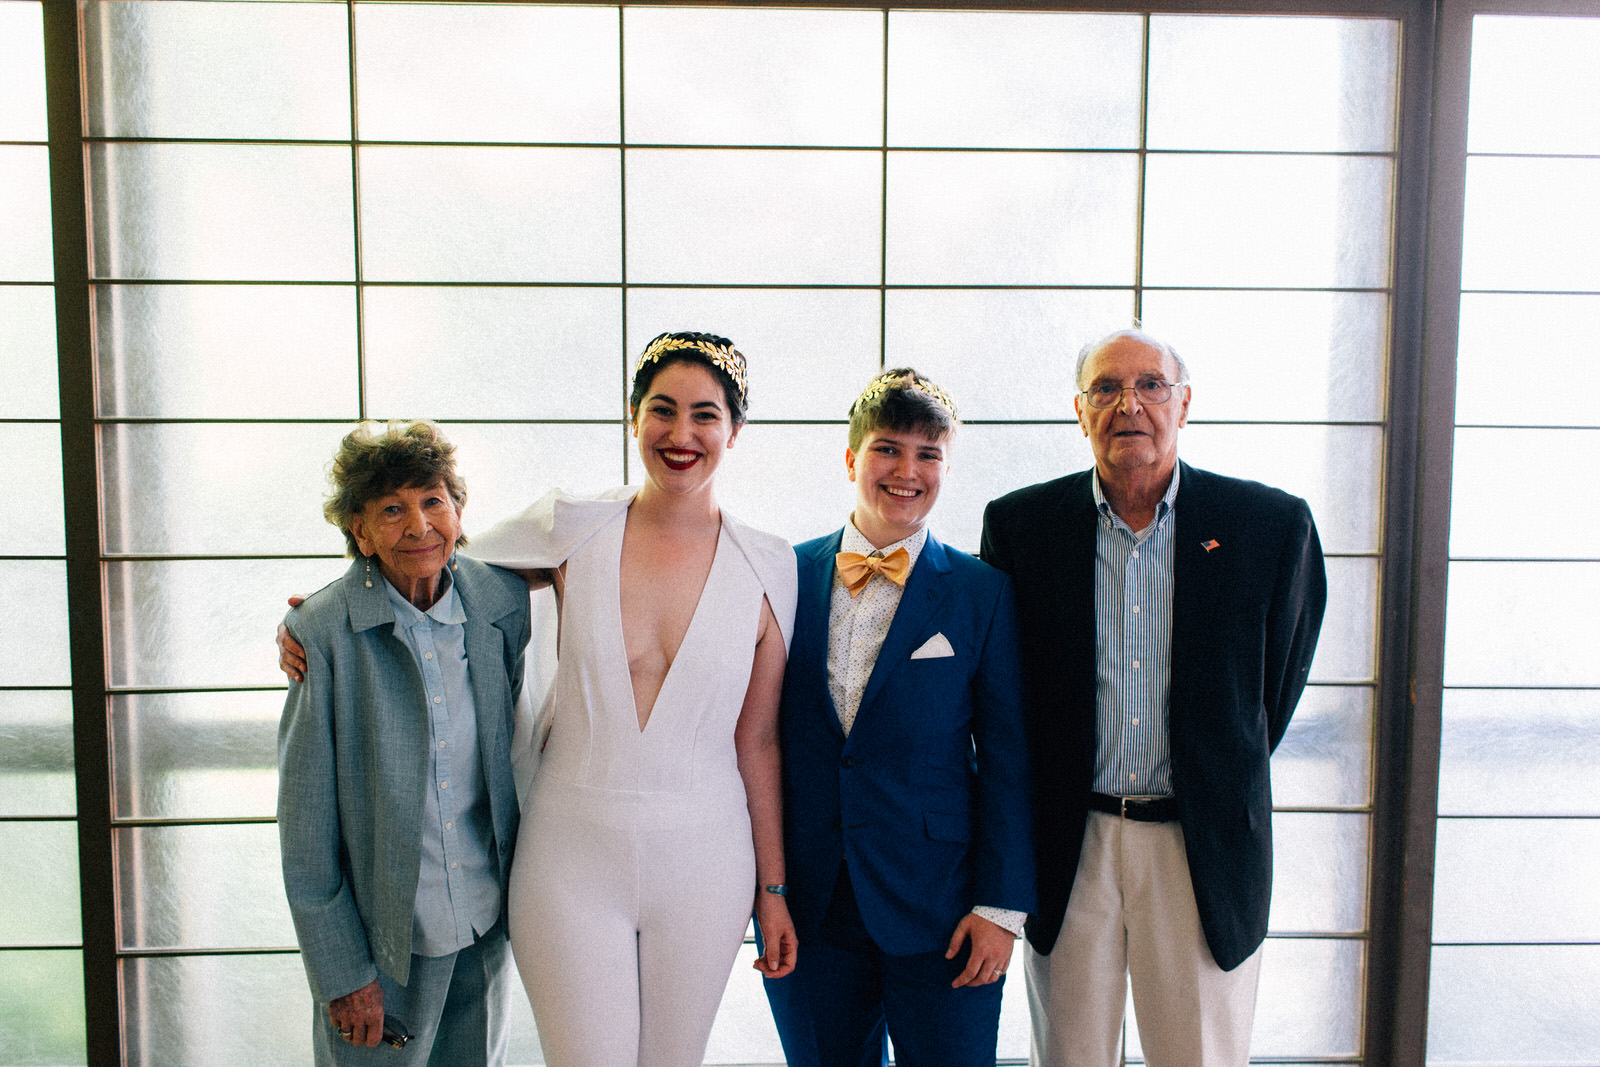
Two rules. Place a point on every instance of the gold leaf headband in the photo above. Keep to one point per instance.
(725, 357)
(884, 382)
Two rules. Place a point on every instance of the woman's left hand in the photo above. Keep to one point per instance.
(777, 936)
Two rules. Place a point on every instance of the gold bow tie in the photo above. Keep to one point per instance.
(857, 570)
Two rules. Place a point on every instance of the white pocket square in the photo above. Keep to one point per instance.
(934, 647)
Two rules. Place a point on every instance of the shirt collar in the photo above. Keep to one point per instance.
(855, 541)
(1164, 507)
(446, 611)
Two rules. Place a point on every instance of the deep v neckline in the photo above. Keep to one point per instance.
(688, 631)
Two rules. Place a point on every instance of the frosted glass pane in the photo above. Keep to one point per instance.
(1337, 469)
(218, 490)
(227, 351)
(28, 353)
(1487, 462)
(778, 218)
(201, 622)
(33, 646)
(509, 353)
(1290, 221)
(490, 214)
(41, 1008)
(21, 77)
(39, 883)
(1325, 758)
(1515, 1004)
(1521, 624)
(1517, 879)
(201, 887)
(988, 461)
(1319, 873)
(1345, 649)
(197, 1011)
(1011, 219)
(810, 351)
(744, 1031)
(695, 76)
(1531, 224)
(1002, 353)
(1496, 326)
(809, 460)
(1307, 356)
(1501, 749)
(31, 479)
(25, 253)
(195, 755)
(246, 212)
(1273, 84)
(1011, 79)
(1534, 84)
(36, 761)
(500, 72)
(509, 467)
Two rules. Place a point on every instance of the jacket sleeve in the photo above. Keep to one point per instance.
(1005, 859)
(1299, 598)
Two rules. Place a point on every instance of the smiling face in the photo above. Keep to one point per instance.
(683, 427)
(897, 474)
(411, 532)
(1129, 437)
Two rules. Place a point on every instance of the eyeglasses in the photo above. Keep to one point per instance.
(1149, 391)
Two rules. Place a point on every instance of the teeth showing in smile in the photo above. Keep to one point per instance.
(895, 491)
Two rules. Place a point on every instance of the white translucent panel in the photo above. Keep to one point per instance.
(744, 1031)
(729, 76)
(1346, 648)
(1531, 224)
(25, 251)
(509, 467)
(33, 644)
(1014, 79)
(1016, 1025)
(1521, 624)
(1501, 749)
(1325, 758)
(1513, 1004)
(1534, 84)
(1294, 356)
(180, 68)
(507, 353)
(28, 353)
(989, 461)
(773, 217)
(36, 759)
(195, 755)
(22, 116)
(197, 1011)
(1337, 469)
(1001, 353)
(39, 883)
(1273, 84)
(1011, 218)
(41, 1007)
(788, 480)
(245, 212)
(226, 351)
(31, 480)
(1319, 873)
(1283, 221)
(1497, 329)
(201, 887)
(491, 214)
(1517, 879)
(1488, 463)
(202, 622)
(487, 72)
(809, 352)
(205, 489)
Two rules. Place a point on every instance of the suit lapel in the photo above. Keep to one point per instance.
(927, 586)
(809, 652)
(1197, 571)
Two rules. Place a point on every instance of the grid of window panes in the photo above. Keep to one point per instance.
(1516, 924)
(313, 212)
(41, 957)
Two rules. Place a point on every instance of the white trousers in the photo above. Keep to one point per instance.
(1132, 915)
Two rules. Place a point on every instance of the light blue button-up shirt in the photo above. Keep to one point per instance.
(458, 887)
(1133, 581)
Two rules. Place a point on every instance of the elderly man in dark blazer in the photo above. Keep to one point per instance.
(1168, 618)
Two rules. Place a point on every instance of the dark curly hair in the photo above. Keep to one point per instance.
(375, 459)
(736, 396)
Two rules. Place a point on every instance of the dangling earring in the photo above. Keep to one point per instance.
(369, 572)
(452, 561)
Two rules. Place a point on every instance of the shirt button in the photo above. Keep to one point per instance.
(1136, 722)
(427, 655)
(452, 866)
(1135, 664)
(444, 785)
(441, 744)
(1134, 556)
(450, 825)
(438, 700)
(1136, 609)
(1133, 777)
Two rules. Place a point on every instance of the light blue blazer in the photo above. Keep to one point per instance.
(353, 764)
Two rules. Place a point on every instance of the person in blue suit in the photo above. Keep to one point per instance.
(908, 831)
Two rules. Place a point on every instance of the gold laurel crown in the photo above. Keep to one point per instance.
(884, 382)
(725, 357)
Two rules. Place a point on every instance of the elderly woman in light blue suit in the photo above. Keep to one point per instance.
(396, 807)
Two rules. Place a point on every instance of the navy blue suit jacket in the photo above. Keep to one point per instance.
(927, 800)
(1245, 619)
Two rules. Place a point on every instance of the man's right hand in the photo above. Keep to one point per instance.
(292, 657)
(358, 1016)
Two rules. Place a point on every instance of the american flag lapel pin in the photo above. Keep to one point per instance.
(1209, 545)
